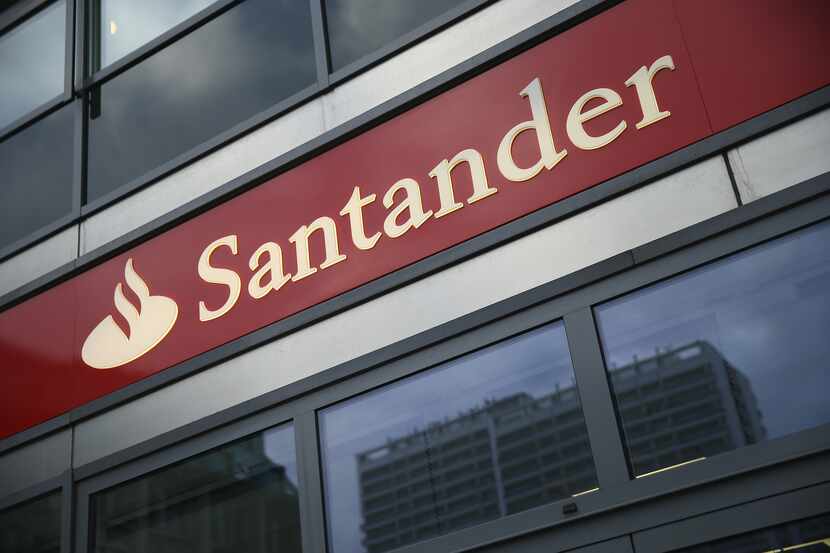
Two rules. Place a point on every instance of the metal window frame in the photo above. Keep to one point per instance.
(62, 484)
(738, 476)
(181, 450)
(18, 15)
(732, 522)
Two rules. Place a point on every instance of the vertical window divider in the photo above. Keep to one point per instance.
(595, 397)
(79, 156)
(321, 49)
(67, 511)
(81, 512)
(69, 51)
(312, 520)
(80, 45)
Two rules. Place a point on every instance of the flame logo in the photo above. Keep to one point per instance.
(107, 346)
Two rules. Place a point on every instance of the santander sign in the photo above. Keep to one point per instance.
(403, 199)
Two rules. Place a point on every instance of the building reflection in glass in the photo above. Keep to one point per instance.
(484, 436)
(33, 527)
(723, 356)
(241, 498)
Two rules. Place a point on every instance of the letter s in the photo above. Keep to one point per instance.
(211, 274)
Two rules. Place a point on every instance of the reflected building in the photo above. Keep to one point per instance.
(518, 452)
(234, 499)
(503, 457)
(684, 404)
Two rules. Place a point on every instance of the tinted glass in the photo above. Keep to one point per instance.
(36, 176)
(727, 355)
(481, 437)
(242, 498)
(127, 24)
(359, 27)
(239, 64)
(33, 527)
(32, 62)
(810, 535)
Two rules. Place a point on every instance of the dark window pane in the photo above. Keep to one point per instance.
(241, 497)
(241, 63)
(810, 535)
(127, 24)
(359, 27)
(727, 355)
(37, 176)
(32, 62)
(33, 527)
(489, 434)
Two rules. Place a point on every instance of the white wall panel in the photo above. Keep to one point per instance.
(435, 55)
(660, 208)
(782, 158)
(34, 462)
(223, 165)
(38, 260)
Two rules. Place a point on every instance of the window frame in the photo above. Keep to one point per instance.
(742, 475)
(64, 485)
(141, 461)
(725, 523)
(19, 14)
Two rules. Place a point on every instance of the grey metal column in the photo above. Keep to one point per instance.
(312, 521)
(595, 394)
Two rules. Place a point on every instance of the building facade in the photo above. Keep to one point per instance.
(358, 276)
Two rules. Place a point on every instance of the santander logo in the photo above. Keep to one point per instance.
(107, 346)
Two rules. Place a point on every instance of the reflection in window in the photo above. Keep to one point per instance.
(810, 535)
(126, 24)
(359, 27)
(32, 62)
(489, 434)
(33, 527)
(34, 193)
(245, 61)
(241, 497)
(724, 356)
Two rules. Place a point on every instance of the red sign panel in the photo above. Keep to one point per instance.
(629, 86)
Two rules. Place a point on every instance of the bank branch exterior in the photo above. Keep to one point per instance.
(352, 276)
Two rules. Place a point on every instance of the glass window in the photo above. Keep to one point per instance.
(241, 63)
(126, 24)
(32, 62)
(359, 27)
(33, 527)
(489, 434)
(810, 535)
(34, 193)
(727, 355)
(241, 497)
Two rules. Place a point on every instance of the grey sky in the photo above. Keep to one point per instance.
(32, 62)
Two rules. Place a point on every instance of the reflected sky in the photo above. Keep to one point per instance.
(359, 27)
(766, 310)
(32, 62)
(127, 24)
(536, 363)
(34, 193)
(241, 63)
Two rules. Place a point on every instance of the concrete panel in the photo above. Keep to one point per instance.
(216, 169)
(38, 260)
(435, 55)
(35, 462)
(665, 206)
(782, 158)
